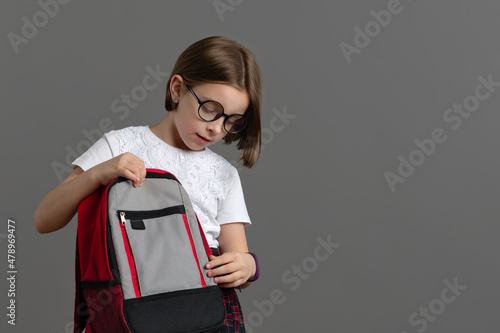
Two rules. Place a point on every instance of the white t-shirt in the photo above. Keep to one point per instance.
(212, 183)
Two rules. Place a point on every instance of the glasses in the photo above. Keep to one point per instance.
(212, 110)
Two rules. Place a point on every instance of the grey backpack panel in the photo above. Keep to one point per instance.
(162, 264)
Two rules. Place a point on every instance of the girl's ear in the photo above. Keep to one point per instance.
(176, 84)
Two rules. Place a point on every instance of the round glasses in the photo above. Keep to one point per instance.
(212, 110)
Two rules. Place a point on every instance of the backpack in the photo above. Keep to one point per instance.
(140, 258)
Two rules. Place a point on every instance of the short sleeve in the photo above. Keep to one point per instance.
(233, 208)
(104, 149)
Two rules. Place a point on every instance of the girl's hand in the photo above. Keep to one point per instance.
(231, 269)
(125, 165)
(60, 205)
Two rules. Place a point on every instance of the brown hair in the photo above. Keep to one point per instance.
(221, 60)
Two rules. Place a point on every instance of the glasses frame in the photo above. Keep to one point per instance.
(226, 117)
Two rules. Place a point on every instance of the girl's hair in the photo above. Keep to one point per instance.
(221, 60)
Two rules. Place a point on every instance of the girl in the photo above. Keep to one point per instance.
(213, 93)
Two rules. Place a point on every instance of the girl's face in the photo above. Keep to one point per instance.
(195, 133)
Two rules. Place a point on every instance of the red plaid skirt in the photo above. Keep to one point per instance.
(234, 315)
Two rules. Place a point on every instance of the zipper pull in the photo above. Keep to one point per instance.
(122, 218)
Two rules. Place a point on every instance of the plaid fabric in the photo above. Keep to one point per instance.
(234, 315)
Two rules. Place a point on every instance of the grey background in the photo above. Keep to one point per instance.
(320, 175)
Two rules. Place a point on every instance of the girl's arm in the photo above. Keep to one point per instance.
(234, 263)
(61, 204)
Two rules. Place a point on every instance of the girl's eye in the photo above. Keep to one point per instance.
(207, 109)
(211, 108)
(210, 111)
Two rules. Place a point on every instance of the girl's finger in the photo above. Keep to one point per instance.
(217, 261)
(230, 278)
(143, 172)
(233, 284)
(223, 270)
(130, 175)
(141, 169)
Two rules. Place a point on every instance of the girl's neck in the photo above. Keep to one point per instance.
(166, 131)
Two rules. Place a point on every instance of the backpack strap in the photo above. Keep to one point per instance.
(81, 312)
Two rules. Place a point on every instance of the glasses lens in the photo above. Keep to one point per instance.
(210, 110)
(235, 123)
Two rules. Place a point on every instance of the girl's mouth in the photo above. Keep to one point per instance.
(203, 139)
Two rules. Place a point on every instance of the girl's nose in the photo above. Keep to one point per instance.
(216, 126)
